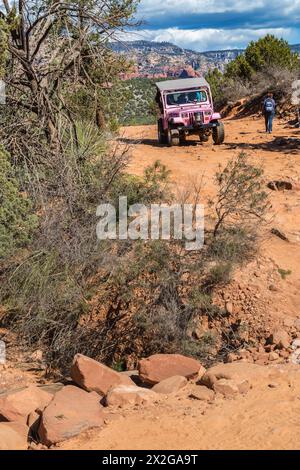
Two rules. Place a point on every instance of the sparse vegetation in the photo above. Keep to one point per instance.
(268, 52)
(266, 64)
(241, 199)
(67, 292)
(17, 221)
(284, 273)
(140, 109)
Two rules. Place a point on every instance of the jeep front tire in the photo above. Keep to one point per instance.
(161, 135)
(173, 137)
(219, 134)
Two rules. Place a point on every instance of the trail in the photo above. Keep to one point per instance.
(268, 417)
(278, 154)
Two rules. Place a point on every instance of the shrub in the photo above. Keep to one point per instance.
(263, 54)
(284, 273)
(202, 303)
(47, 293)
(153, 187)
(219, 274)
(17, 221)
(235, 244)
(140, 108)
(241, 200)
(216, 81)
(116, 300)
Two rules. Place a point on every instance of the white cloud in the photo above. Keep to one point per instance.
(211, 39)
(156, 8)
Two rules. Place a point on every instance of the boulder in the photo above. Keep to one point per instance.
(37, 356)
(244, 375)
(231, 357)
(243, 386)
(229, 308)
(228, 388)
(33, 422)
(238, 371)
(71, 411)
(13, 436)
(124, 395)
(170, 385)
(273, 356)
(159, 367)
(296, 344)
(17, 405)
(208, 380)
(295, 357)
(199, 392)
(280, 338)
(94, 376)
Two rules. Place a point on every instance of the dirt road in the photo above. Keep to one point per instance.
(268, 417)
(279, 155)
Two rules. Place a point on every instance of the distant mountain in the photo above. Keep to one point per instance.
(296, 48)
(163, 59)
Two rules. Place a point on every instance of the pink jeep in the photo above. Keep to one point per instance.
(186, 107)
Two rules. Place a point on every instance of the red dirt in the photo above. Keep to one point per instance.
(267, 417)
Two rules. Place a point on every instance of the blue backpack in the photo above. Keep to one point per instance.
(269, 106)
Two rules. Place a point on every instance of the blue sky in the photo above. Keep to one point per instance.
(217, 24)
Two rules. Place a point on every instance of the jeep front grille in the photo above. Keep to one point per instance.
(199, 117)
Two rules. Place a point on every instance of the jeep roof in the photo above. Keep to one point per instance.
(182, 84)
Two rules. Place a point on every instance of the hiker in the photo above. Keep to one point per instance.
(269, 110)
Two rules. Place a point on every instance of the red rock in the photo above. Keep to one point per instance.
(231, 357)
(159, 367)
(37, 356)
(33, 421)
(243, 374)
(273, 356)
(226, 387)
(243, 387)
(170, 385)
(229, 308)
(202, 393)
(244, 354)
(280, 339)
(71, 412)
(284, 354)
(94, 376)
(13, 436)
(123, 395)
(289, 322)
(16, 406)
(208, 380)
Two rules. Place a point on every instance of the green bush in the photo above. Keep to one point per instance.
(141, 107)
(236, 244)
(263, 54)
(219, 274)
(17, 221)
(216, 81)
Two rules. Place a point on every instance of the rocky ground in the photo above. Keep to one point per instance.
(264, 295)
(172, 402)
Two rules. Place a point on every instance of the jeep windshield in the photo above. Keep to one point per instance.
(186, 97)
